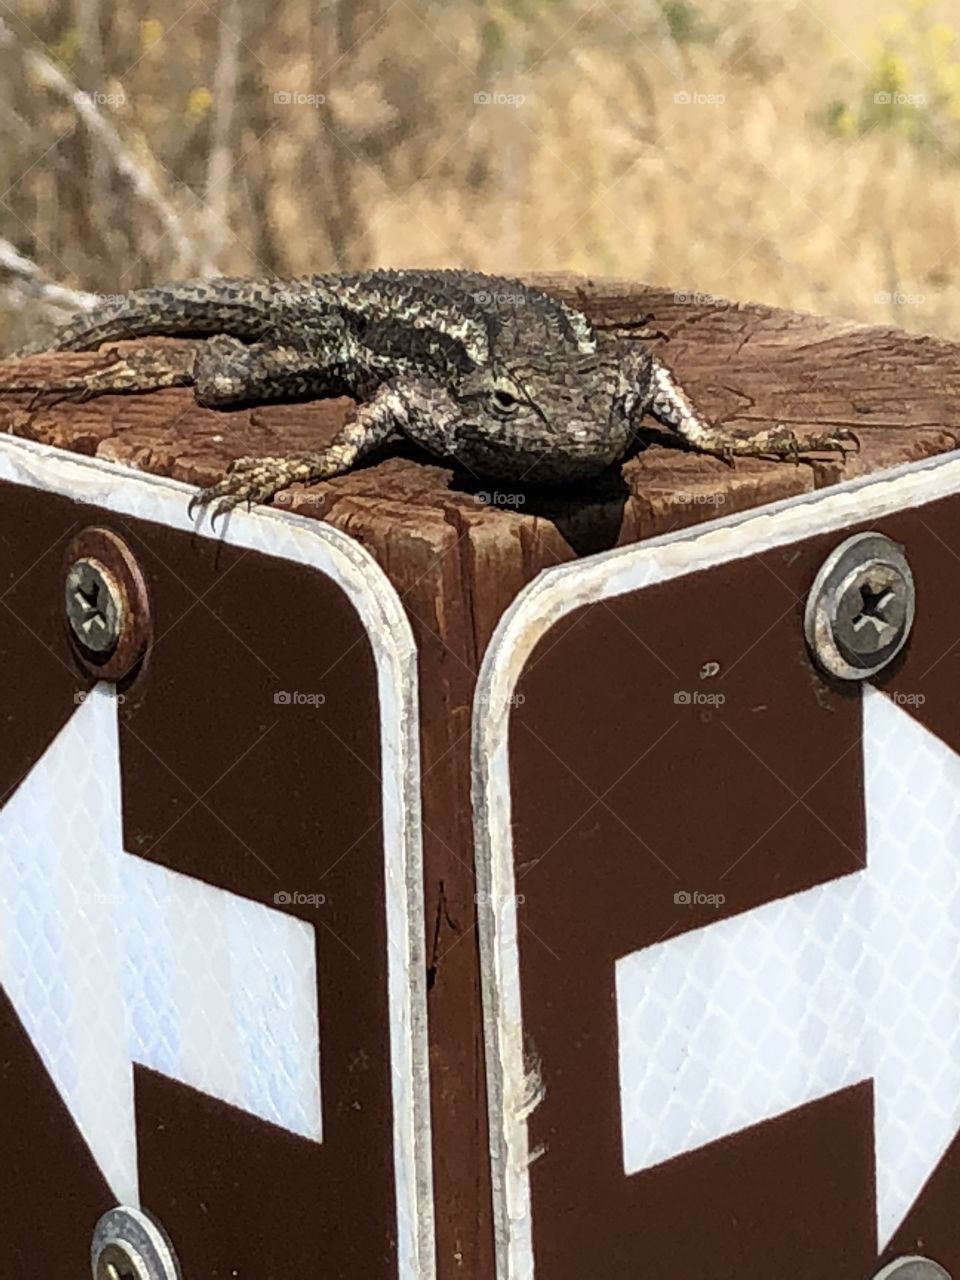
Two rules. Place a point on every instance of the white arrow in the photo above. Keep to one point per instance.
(109, 959)
(859, 978)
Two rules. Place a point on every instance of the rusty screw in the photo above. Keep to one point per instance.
(109, 1270)
(95, 605)
(128, 1245)
(106, 604)
(860, 608)
(912, 1268)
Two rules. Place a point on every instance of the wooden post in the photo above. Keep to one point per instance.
(458, 553)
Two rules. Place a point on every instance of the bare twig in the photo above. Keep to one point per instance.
(669, 50)
(49, 75)
(343, 215)
(100, 225)
(219, 162)
(30, 281)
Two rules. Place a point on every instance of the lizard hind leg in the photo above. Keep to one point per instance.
(670, 405)
(229, 371)
(222, 370)
(128, 372)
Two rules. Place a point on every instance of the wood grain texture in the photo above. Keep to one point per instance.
(458, 561)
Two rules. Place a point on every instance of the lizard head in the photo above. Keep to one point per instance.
(549, 420)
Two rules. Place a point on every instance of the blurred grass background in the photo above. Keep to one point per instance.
(803, 154)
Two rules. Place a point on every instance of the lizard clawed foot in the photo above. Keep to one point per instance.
(840, 441)
(248, 480)
(783, 442)
(253, 480)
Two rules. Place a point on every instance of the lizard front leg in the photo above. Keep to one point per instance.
(393, 406)
(670, 405)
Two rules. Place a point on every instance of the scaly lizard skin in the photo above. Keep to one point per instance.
(503, 379)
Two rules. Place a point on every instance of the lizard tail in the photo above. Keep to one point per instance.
(241, 308)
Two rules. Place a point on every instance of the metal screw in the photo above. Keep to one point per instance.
(107, 604)
(860, 608)
(129, 1245)
(94, 603)
(912, 1269)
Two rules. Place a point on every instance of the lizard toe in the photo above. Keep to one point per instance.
(248, 480)
(841, 441)
(847, 441)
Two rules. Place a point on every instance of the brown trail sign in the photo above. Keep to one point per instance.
(211, 898)
(313, 1174)
(720, 899)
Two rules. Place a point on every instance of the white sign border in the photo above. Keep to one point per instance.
(512, 1092)
(320, 546)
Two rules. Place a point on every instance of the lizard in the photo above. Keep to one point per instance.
(499, 377)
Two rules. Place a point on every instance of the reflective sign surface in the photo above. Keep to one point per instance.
(210, 897)
(721, 901)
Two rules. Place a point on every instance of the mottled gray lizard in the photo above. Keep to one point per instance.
(500, 378)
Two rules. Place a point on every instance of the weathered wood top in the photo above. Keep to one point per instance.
(749, 365)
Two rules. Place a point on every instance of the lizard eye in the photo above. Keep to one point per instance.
(504, 401)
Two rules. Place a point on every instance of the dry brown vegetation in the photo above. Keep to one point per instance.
(797, 153)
